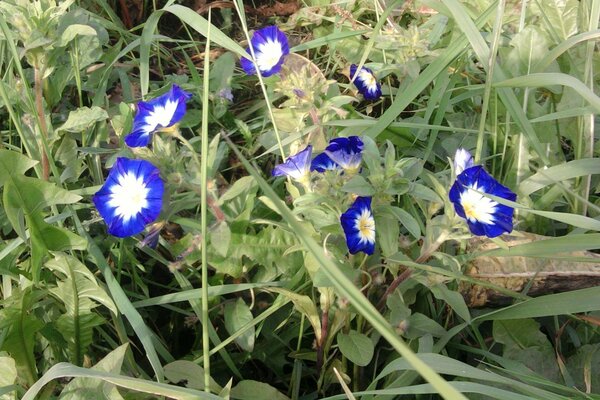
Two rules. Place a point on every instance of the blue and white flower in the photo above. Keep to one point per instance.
(462, 160)
(159, 113)
(346, 152)
(296, 167)
(322, 163)
(365, 82)
(270, 46)
(484, 216)
(131, 197)
(359, 226)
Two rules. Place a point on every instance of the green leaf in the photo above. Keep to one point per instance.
(13, 164)
(220, 237)
(74, 30)
(305, 305)
(387, 230)
(66, 370)
(576, 301)
(94, 389)
(359, 186)
(188, 373)
(8, 376)
(236, 316)
(529, 46)
(81, 119)
(559, 173)
(584, 366)
(357, 347)
(78, 290)
(523, 342)
(454, 300)
(254, 390)
(562, 16)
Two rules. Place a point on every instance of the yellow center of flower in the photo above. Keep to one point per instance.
(366, 226)
(478, 207)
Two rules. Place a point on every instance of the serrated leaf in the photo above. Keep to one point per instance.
(357, 347)
(82, 118)
(78, 290)
(254, 390)
(236, 316)
(13, 164)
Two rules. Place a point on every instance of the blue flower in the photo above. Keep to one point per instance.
(365, 82)
(270, 47)
(159, 113)
(359, 226)
(322, 163)
(296, 167)
(346, 152)
(484, 215)
(462, 160)
(131, 197)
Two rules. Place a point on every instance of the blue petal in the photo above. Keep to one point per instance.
(150, 176)
(346, 152)
(322, 163)
(296, 166)
(370, 92)
(142, 132)
(503, 215)
(262, 36)
(354, 241)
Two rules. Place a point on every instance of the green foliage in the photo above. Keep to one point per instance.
(249, 292)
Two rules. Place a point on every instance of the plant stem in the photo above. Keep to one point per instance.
(203, 212)
(39, 105)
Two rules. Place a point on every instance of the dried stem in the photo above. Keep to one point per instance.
(39, 105)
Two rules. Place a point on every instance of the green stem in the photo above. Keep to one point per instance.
(203, 211)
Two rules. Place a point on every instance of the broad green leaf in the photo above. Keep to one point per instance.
(528, 47)
(254, 390)
(359, 186)
(81, 119)
(20, 329)
(95, 389)
(73, 31)
(189, 373)
(8, 376)
(408, 221)
(236, 316)
(387, 230)
(78, 290)
(220, 237)
(584, 366)
(523, 342)
(562, 17)
(418, 325)
(13, 164)
(356, 346)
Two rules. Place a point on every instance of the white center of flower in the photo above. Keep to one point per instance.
(365, 224)
(268, 55)
(128, 197)
(478, 208)
(161, 115)
(368, 79)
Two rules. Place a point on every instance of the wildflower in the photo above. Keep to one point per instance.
(270, 46)
(159, 113)
(462, 160)
(359, 226)
(346, 152)
(131, 197)
(296, 167)
(365, 82)
(484, 215)
(322, 163)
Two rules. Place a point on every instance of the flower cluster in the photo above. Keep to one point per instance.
(269, 46)
(470, 196)
(342, 154)
(132, 196)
